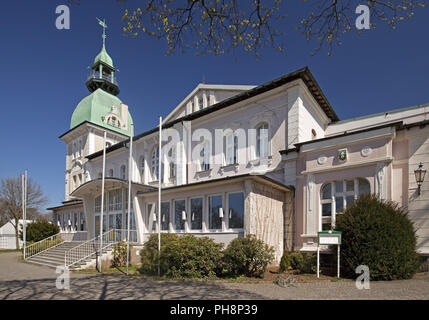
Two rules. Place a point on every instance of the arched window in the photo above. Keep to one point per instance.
(100, 175)
(142, 169)
(262, 142)
(172, 164)
(231, 150)
(111, 173)
(123, 172)
(335, 196)
(154, 164)
(205, 156)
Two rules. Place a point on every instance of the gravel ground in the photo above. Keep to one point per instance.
(19, 280)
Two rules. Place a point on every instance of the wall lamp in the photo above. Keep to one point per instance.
(420, 177)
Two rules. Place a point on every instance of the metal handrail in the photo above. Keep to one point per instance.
(90, 247)
(43, 245)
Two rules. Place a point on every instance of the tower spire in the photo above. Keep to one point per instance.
(103, 70)
(104, 25)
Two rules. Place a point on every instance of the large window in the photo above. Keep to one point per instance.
(97, 208)
(197, 214)
(115, 221)
(215, 204)
(262, 143)
(236, 210)
(336, 195)
(165, 216)
(115, 200)
(179, 217)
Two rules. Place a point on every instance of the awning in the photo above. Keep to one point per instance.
(93, 187)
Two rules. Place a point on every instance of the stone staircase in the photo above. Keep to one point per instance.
(54, 257)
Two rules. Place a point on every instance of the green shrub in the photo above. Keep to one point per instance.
(378, 234)
(296, 260)
(285, 262)
(119, 253)
(309, 264)
(304, 263)
(247, 256)
(181, 256)
(39, 230)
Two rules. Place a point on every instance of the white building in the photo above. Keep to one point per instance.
(8, 235)
(280, 172)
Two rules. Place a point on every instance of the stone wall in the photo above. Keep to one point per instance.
(267, 207)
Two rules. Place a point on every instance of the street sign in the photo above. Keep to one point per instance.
(329, 237)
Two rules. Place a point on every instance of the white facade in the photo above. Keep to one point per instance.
(268, 181)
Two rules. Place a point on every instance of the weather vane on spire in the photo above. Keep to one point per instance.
(104, 25)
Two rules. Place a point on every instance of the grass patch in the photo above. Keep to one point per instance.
(9, 250)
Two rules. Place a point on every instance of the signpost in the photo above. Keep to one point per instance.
(329, 237)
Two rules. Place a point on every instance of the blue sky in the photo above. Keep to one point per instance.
(43, 73)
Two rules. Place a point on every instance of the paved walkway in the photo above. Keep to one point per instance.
(20, 280)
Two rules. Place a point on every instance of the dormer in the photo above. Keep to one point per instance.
(205, 96)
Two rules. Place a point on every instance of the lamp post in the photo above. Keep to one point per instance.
(420, 177)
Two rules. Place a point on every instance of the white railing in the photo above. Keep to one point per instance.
(43, 245)
(91, 247)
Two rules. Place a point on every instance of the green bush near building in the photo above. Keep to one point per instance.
(378, 234)
(39, 230)
(181, 256)
(247, 256)
(303, 263)
(200, 257)
(119, 254)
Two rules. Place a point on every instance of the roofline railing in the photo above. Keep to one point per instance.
(96, 75)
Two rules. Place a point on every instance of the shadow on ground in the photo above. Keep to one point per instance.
(116, 287)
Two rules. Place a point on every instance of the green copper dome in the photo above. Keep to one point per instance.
(104, 57)
(100, 107)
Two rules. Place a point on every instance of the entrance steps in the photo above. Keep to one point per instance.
(54, 257)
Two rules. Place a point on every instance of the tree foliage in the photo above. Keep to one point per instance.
(329, 20)
(218, 26)
(39, 230)
(11, 201)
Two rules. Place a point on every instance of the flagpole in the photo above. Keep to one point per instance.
(25, 209)
(159, 196)
(23, 214)
(102, 202)
(130, 168)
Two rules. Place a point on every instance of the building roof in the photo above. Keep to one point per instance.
(94, 108)
(304, 74)
(246, 175)
(104, 58)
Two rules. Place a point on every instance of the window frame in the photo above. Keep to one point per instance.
(185, 223)
(208, 213)
(258, 140)
(334, 195)
(227, 220)
(190, 230)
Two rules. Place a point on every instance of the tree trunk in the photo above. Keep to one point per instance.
(17, 235)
